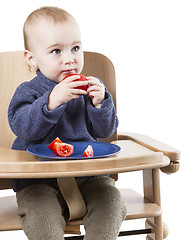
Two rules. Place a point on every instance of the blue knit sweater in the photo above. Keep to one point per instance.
(77, 120)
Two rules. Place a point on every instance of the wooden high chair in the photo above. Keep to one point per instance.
(13, 71)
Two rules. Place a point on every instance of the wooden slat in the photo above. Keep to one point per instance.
(137, 207)
(13, 71)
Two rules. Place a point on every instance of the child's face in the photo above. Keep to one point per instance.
(56, 49)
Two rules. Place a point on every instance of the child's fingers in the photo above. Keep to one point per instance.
(78, 92)
(94, 88)
(75, 84)
(71, 78)
(94, 81)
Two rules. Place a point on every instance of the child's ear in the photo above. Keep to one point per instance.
(30, 59)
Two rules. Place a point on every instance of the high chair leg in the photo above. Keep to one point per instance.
(151, 182)
(156, 228)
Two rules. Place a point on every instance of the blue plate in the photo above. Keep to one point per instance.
(101, 149)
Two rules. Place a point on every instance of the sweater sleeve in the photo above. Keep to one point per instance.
(28, 116)
(104, 121)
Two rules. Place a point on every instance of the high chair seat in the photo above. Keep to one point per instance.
(137, 207)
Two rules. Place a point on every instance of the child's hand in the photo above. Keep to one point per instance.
(96, 91)
(65, 91)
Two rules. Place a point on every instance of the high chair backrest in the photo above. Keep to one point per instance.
(14, 70)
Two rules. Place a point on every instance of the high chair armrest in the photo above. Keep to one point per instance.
(148, 142)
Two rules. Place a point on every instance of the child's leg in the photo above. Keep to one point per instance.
(105, 209)
(41, 213)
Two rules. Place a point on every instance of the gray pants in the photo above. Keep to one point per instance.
(42, 209)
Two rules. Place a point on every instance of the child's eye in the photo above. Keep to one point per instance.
(76, 48)
(56, 51)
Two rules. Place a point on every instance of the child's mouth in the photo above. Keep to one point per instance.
(69, 71)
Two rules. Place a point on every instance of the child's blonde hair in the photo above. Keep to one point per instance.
(55, 14)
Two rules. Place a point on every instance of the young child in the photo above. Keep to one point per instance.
(48, 107)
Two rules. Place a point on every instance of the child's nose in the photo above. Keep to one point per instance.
(68, 58)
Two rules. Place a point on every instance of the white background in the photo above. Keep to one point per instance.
(146, 41)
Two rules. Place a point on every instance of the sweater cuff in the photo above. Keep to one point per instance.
(107, 101)
(54, 114)
(105, 105)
